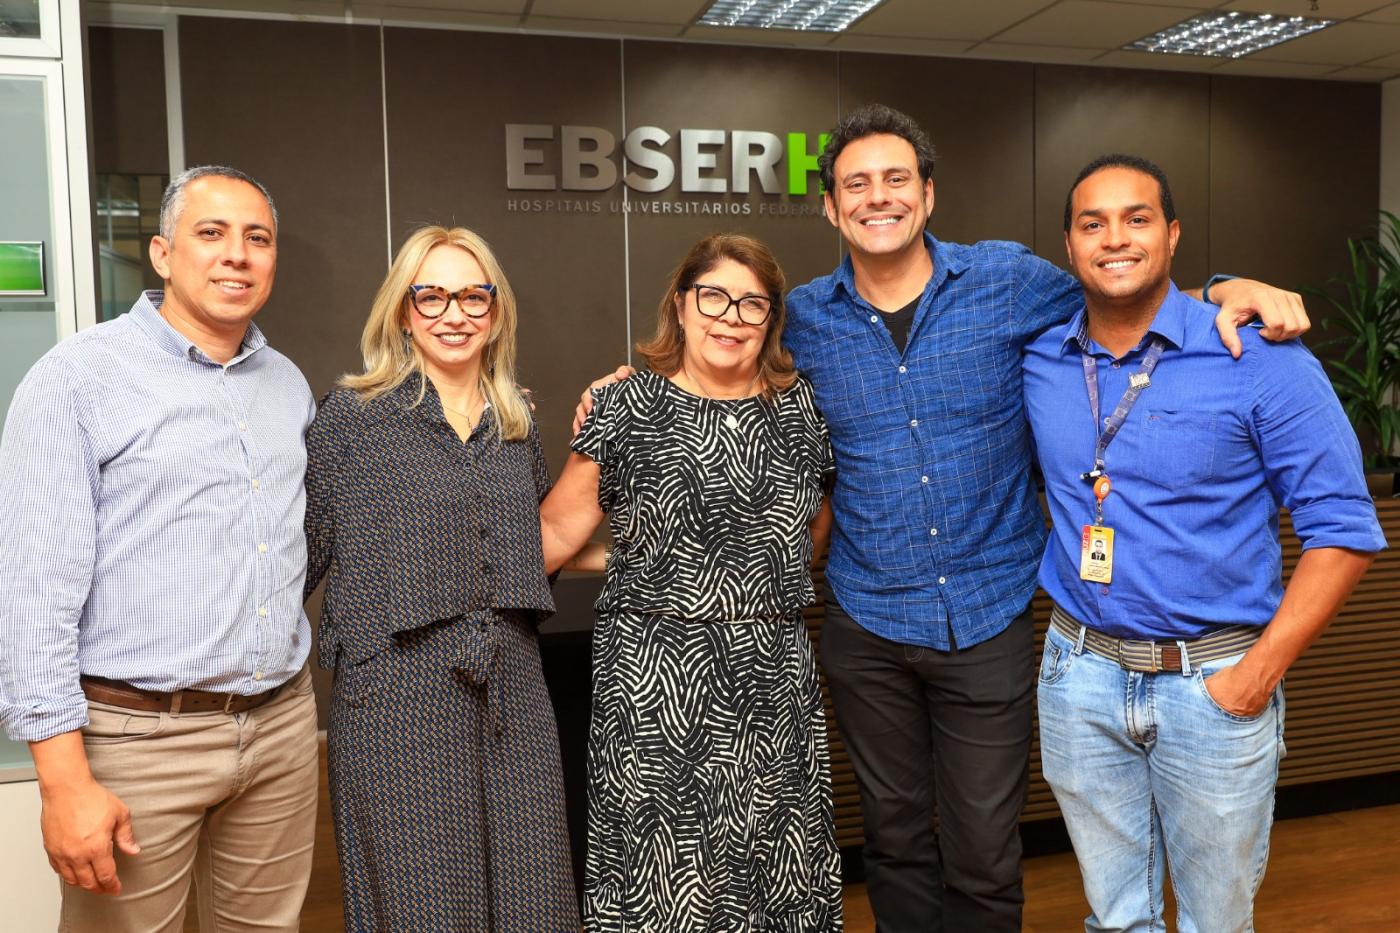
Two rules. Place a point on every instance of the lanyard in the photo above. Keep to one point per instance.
(1136, 383)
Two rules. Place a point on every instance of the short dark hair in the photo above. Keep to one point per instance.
(1136, 164)
(873, 120)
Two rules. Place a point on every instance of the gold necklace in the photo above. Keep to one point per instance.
(471, 422)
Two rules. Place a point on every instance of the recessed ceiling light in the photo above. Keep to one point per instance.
(808, 15)
(1228, 35)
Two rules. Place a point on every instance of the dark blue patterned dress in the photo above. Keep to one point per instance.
(709, 787)
(444, 756)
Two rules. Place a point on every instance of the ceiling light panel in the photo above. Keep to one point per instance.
(805, 15)
(1228, 35)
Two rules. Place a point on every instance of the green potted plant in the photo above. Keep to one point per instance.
(1365, 326)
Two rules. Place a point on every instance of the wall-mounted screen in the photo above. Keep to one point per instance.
(22, 268)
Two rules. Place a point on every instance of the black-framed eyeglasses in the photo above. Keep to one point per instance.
(431, 301)
(714, 301)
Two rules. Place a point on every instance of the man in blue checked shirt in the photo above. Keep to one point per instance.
(1161, 697)
(151, 626)
(914, 348)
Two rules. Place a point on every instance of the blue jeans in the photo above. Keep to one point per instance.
(1149, 771)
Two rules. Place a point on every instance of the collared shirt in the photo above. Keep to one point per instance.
(1211, 449)
(151, 507)
(410, 525)
(937, 524)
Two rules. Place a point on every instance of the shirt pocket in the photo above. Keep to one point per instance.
(1182, 446)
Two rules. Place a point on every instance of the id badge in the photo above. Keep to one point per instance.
(1096, 554)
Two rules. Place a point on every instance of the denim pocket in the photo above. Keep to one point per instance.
(1056, 658)
(1182, 447)
(1205, 671)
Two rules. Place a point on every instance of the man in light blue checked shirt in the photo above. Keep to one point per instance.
(153, 641)
(913, 347)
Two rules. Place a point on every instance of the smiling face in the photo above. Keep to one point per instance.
(724, 347)
(450, 345)
(220, 260)
(880, 204)
(1119, 242)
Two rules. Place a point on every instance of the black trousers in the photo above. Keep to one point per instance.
(945, 735)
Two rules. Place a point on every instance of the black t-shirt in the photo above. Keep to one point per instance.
(899, 323)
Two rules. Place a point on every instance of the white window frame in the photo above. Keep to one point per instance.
(45, 45)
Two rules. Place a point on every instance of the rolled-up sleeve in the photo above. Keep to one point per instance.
(49, 479)
(1311, 457)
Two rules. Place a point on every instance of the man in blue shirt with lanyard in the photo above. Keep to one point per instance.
(1161, 700)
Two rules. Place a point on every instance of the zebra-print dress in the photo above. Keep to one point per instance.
(709, 789)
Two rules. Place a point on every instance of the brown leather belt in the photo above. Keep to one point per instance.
(120, 693)
(1153, 656)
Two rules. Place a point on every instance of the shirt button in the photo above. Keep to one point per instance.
(1103, 591)
(257, 675)
(262, 611)
(1116, 364)
(914, 422)
(262, 548)
(874, 319)
(903, 369)
(923, 479)
(933, 532)
(243, 425)
(257, 483)
(942, 579)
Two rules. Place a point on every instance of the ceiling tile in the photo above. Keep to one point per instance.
(1363, 74)
(896, 44)
(1010, 51)
(1253, 67)
(945, 20)
(1388, 61)
(1326, 9)
(1097, 23)
(1342, 44)
(600, 27)
(743, 36)
(1122, 58)
(635, 11)
(1386, 14)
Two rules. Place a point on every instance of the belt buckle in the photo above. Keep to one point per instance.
(228, 701)
(1132, 663)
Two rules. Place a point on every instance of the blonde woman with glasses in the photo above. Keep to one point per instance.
(423, 487)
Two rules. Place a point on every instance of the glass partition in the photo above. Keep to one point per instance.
(28, 322)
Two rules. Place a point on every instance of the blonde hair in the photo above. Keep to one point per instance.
(390, 358)
(666, 349)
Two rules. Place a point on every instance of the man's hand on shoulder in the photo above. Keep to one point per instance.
(1242, 300)
(80, 819)
(585, 404)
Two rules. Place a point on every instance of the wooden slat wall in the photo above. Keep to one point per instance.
(1343, 695)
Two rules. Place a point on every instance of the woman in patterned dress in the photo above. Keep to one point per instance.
(709, 791)
(423, 487)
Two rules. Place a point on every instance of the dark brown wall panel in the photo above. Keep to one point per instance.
(1295, 170)
(450, 95)
(1081, 113)
(979, 115)
(126, 68)
(298, 106)
(678, 86)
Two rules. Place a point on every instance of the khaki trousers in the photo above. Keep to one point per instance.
(228, 799)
